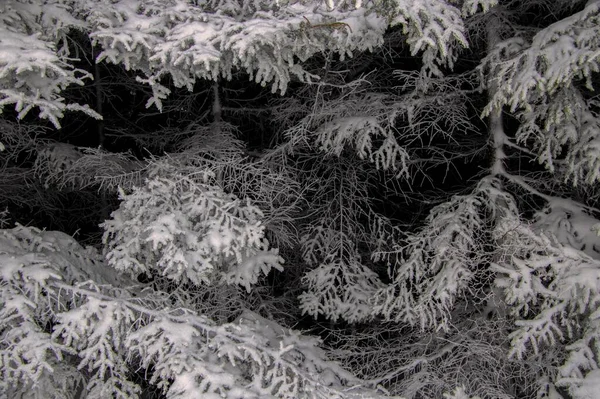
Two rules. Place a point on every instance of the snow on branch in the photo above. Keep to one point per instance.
(60, 336)
(471, 7)
(268, 40)
(553, 290)
(337, 244)
(547, 81)
(185, 41)
(339, 289)
(564, 52)
(364, 122)
(570, 224)
(340, 286)
(64, 165)
(360, 132)
(436, 263)
(188, 229)
(565, 120)
(270, 361)
(204, 40)
(33, 70)
(434, 28)
(32, 263)
(97, 329)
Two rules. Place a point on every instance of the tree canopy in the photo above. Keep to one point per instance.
(299, 199)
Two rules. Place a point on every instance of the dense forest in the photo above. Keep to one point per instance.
(299, 199)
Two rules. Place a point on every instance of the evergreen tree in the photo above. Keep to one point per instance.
(240, 213)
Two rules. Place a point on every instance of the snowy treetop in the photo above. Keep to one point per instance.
(190, 40)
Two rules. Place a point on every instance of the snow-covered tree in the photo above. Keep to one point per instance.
(337, 192)
(70, 328)
(546, 266)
